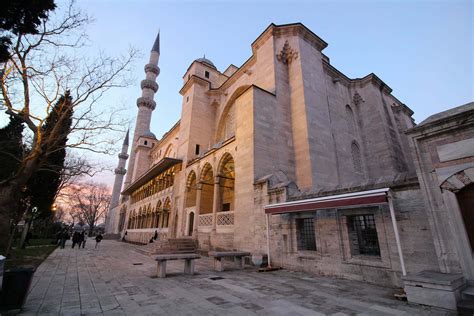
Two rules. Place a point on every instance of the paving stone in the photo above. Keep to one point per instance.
(105, 282)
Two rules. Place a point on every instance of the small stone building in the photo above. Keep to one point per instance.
(284, 146)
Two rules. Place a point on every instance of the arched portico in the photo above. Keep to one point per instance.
(226, 197)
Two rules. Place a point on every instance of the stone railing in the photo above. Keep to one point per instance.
(205, 220)
(225, 218)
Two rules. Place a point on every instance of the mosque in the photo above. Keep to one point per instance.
(289, 159)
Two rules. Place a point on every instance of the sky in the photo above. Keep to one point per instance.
(422, 49)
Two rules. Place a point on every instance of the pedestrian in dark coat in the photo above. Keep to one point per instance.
(98, 239)
(76, 237)
(64, 236)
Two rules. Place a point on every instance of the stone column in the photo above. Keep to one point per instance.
(216, 205)
(197, 209)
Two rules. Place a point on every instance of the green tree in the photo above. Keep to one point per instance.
(21, 17)
(44, 185)
(11, 147)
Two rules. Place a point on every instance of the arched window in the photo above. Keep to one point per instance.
(226, 128)
(166, 212)
(207, 193)
(350, 120)
(226, 182)
(191, 192)
(158, 212)
(169, 151)
(356, 157)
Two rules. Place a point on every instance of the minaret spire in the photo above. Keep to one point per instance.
(120, 171)
(125, 141)
(145, 105)
(156, 45)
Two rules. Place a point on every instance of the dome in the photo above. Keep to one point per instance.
(149, 135)
(207, 62)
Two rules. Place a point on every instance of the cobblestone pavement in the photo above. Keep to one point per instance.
(116, 280)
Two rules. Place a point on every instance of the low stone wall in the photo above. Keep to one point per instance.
(143, 236)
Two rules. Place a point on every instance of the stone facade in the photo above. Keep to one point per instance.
(285, 126)
(444, 148)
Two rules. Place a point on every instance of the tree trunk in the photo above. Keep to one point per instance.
(10, 195)
(9, 204)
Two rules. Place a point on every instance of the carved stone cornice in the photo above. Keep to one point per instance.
(120, 170)
(146, 102)
(287, 54)
(149, 84)
(152, 68)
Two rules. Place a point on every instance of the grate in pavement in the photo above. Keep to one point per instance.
(216, 278)
(138, 264)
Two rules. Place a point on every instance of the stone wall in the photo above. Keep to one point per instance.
(334, 254)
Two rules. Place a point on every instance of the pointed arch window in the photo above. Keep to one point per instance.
(356, 157)
(350, 120)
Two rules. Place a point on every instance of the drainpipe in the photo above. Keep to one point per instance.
(395, 229)
(268, 241)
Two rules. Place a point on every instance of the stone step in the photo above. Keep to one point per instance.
(465, 307)
(468, 293)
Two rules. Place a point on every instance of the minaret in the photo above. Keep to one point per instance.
(119, 173)
(145, 104)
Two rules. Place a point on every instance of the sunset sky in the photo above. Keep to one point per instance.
(422, 49)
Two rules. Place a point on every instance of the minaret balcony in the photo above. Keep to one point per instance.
(149, 84)
(152, 68)
(146, 102)
(120, 170)
(123, 156)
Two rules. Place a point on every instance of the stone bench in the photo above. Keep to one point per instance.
(220, 255)
(188, 262)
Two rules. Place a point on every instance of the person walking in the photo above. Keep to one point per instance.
(98, 239)
(75, 238)
(84, 239)
(64, 236)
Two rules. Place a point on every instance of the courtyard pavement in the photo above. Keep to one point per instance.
(116, 280)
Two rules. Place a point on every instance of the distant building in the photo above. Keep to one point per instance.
(289, 138)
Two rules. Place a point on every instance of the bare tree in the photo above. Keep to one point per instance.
(41, 68)
(90, 202)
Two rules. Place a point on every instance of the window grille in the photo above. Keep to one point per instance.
(305, 234)
(363, 235)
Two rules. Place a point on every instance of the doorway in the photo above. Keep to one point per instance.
(466, 205)
(190, 224)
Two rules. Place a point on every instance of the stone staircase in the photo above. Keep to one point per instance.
(168, 246)
(466, 305)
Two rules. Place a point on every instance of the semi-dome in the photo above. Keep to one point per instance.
(206, 61)
(149, 135)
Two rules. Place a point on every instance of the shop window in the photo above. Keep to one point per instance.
(305, 234)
